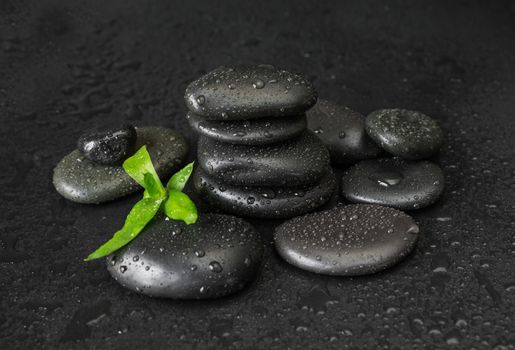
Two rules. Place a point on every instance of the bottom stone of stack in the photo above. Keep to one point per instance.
(264, 202)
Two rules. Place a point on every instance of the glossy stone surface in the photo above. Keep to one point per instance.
(249, 132)
(394, 182)
(264, 202)
(300, 161)
(347, 240)
(108, 147)
(342, 130)
(83, 181)
(216, 256)
(248, 92)
(404, 133)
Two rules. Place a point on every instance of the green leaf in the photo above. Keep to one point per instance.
(138, 218)
(153, 189)
(179, 179)
(139, 166)
(179, 206)
(176, 205)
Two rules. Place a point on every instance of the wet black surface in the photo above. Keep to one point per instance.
(348, 240)
(402, 184)
(67, 66)
(216, 257)
(300, 161)
(261, 131)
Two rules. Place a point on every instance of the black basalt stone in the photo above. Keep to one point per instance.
(342, 130)
(394, 182)
(265, 202)
(347, 240)
(248, 92)
(108, 147)
(249, 132)
(300, 161)
(216, 256)
(404, 133)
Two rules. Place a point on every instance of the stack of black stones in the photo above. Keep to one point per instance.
(256, 157)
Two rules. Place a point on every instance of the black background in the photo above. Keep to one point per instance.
(70, 65)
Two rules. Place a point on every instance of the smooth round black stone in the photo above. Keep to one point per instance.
(249, 132)
(108, 147)
(264, 202)
(300, 161)
(83, 181)
(248, 92)
(216, 256)
(342, 130)
(347, 240)
(404, 133)
(402, 184)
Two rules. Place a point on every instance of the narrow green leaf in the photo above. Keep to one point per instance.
(153, 189)
(178, 206)
(179, 179)
(139, 166)
(139, 216)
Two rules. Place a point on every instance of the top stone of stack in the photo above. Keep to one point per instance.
(249, 92)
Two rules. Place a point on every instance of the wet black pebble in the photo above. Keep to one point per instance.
(404, 133)
(347, 240)
(300, 161)
(265, 202)
(83, 181)
(249, 132)
(216, 256)
(342, 130)
(248, 92)
(394, 182)
(108, 147)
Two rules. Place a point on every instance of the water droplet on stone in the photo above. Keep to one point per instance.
(201, 100)
(387, 178)
(258, 84)
(215, 266)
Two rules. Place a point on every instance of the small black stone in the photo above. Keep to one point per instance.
(342, 130)
(347, 240)
(301, 161)
(108, 147)
(249, 132)
(248, 92)
(216, 256)
(394, 182)
(404, 133)
(265, 202)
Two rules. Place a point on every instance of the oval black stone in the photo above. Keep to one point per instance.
(394, 182)
(265, 202)
(347, 240)
(301, 161)
(216, 256)
(249, 132)
(404, 133)
(80, 180)
(248, 92)
(342, 130)
(108, 147)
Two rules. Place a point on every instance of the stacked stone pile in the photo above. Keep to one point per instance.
(255, 155)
